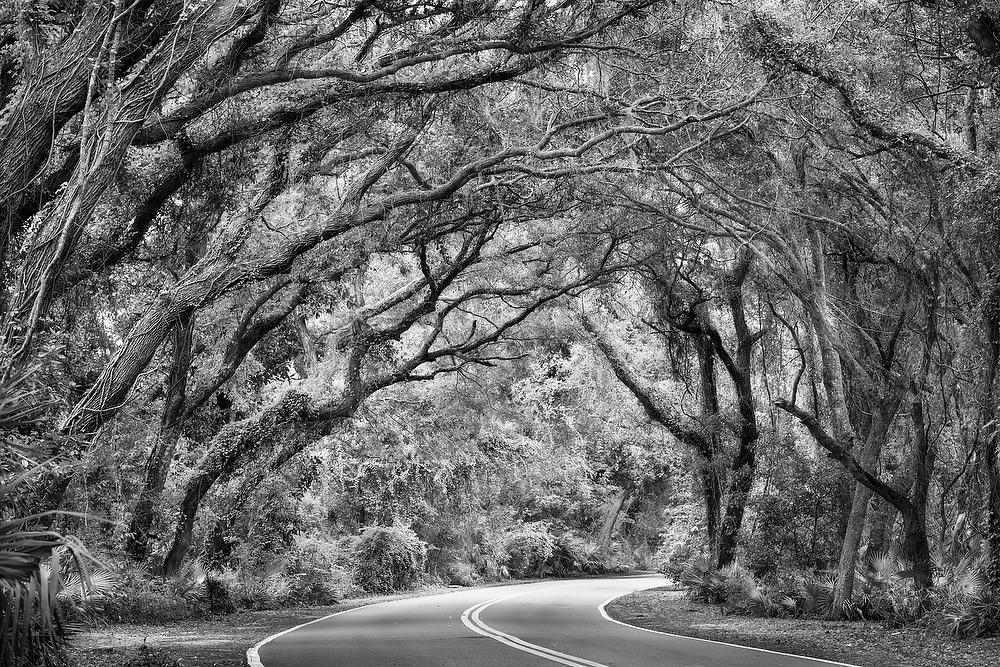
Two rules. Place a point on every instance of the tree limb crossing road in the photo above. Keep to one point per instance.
(534, 625)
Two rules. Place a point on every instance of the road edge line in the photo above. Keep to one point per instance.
(253, 655)
(604, 613)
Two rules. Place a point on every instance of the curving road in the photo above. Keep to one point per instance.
(531, 625)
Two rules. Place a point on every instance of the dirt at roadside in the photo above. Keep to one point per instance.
(209, 642)
(858, 643)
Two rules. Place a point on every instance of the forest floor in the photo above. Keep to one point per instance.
(858, 643)
(216, 641)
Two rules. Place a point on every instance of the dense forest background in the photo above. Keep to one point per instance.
(305, 297)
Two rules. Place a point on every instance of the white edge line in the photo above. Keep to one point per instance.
(253, 655)
(604, 613)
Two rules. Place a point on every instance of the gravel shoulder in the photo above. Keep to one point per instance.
(856, 643)
(220, 641)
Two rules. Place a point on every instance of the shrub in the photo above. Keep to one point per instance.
(388, 559)
(318, 571)
(976, 616)
(528, 549)
(272, 590)
(703, 581)
(961, 603)
(682, 542)
(489, 558)
(572, 554)
(460, 573)
(814, 594)
(140, 597)
(218, 597)
(619, 561)
(882, 592)
(734, 587)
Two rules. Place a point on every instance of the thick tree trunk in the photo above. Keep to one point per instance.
(286, 428)
(915, 545)
(708, 469)
(739, 492)
(711, 490)
(828, 339)
(106, 134)
(863, 477)
(706, 475)
(234, 445)
(745, 462)
(612, 513)
(993, 526)
(991, 432)
(219, 272)
(139, 535)
(916, 549)
(847, 565)
(879, 538)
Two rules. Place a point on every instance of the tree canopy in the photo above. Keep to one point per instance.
(650, 281)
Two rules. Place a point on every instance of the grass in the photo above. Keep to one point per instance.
(857, 643)
(220, 641)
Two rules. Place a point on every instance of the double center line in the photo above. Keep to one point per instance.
(472, 620)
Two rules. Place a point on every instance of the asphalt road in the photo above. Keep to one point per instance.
(531, 625)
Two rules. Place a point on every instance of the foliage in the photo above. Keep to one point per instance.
(528, 550)
(45, 578)
(960, 604)
(459, 573)
(681, 542)
(544, 305)
(795, 520)
(319, 570)
(270, 589)
(141, 597)
(46, 586)
(388, 559)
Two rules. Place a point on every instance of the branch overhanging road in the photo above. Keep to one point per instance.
(534, 625)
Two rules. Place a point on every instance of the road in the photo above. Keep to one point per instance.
(529, 625)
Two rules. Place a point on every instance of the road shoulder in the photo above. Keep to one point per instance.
(867, 644)
(218, 641)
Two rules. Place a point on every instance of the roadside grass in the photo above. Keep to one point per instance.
(215, 641)
(218, 641)
(857, 643)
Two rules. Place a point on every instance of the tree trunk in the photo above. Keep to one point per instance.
(916, 549)
(915, 546)
(286, 428)
(988, 417)
(745, 462)
(139, 534)
(993, 527)
(611, 514)
(707, 475)
(847, 565)
(739, 492)
(828, 338)
(879, 539)
(236, 444)
(711, 481)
